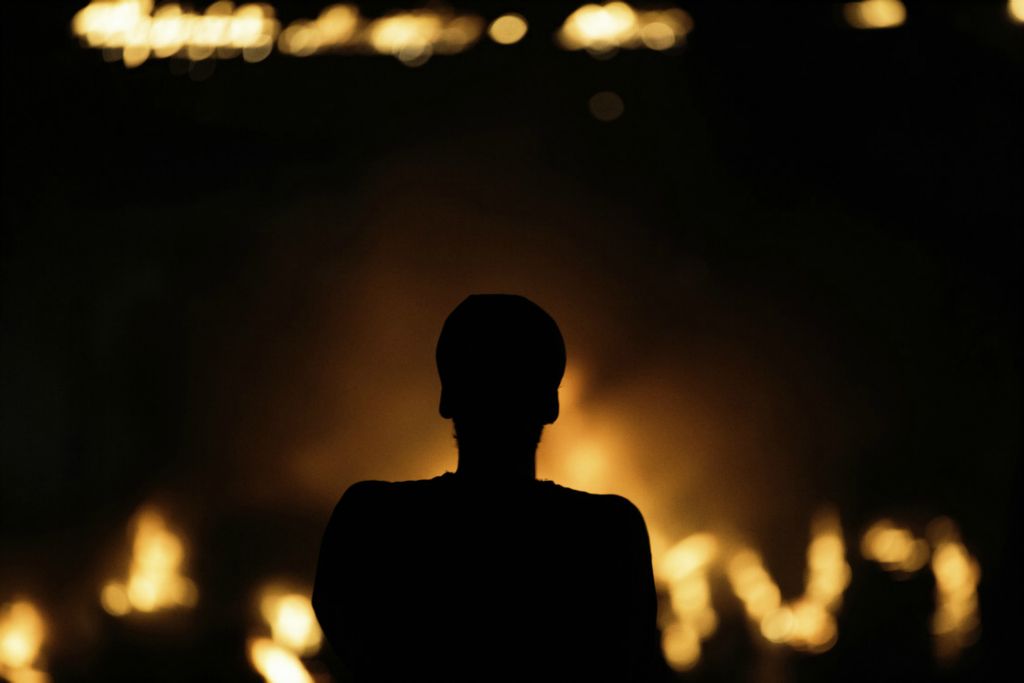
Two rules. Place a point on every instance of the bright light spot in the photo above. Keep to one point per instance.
(507, 29)
(154, 578)
(684, 568)
(22, 631)
(875, 13)
(606, 106)
(603, 28)
(894, 547)
(689, 555)
(275, 663)
(1016, 10)
(807, 623)
(294, 631)
(681, 645)
(129, 30)
(292, 621)
(337, 24)
(956, 621)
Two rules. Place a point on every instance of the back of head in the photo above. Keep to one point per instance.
(500, 356)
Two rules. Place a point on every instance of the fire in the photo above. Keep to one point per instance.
(22, 632)
(154, 579)
(294, 633)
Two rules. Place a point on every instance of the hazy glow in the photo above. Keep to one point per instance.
(291, 619)
(894, 547)
(22, 632)
(129, 30)
(154, 578)
(602, 28)
(507, 29)
(875, 13)
(275, 663)
(956, 622)
(1016, 10)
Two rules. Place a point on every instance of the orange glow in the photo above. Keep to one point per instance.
(154, 578)
(603, 28)
(875, 13)
(507, 29)
(22, 632)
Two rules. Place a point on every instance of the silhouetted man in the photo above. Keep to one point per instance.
(486, 573)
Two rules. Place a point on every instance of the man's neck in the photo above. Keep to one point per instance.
(497, 466)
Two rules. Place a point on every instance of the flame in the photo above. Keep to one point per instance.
(154, 581)
(602, 28)
(22, 632)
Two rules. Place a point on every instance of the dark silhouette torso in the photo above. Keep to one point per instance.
(444, 580)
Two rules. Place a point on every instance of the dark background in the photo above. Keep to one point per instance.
(790, 269)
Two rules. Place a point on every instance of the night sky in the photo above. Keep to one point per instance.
(787, 277)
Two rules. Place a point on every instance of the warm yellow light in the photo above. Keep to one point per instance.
(599, 27)
(275, 663)
(1016, 10)
(894, 547)
(127, 30)
(603, 28)
(875, 13)
(507, 29)
(154, 578)
(337, 24)
(688, 555)
(292, 621)
(681, 645)
(22, 631)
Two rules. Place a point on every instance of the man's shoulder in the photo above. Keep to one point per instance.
(607, 503)
(373, 491)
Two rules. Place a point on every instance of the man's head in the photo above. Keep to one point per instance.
(501, 359)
